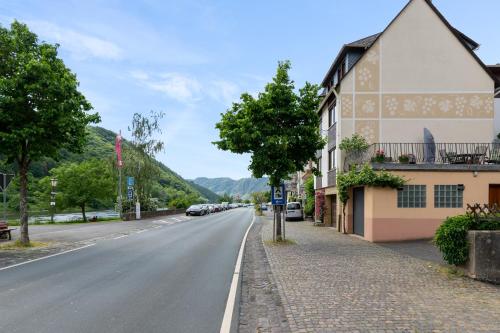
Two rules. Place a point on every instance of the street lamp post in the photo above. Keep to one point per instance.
(53, 184)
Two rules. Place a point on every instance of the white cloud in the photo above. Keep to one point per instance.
(223, 91)
(80, 45)
(187, 89)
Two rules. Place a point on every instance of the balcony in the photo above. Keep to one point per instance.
(475, 156)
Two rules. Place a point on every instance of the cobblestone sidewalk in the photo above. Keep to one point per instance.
(260, 304)
(331, 282)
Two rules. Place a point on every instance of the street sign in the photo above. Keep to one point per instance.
(130, 181)
(5, 180)
(278, 195)
(130, 193)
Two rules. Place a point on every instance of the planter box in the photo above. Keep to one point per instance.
(484, 255)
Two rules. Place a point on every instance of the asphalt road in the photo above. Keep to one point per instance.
(174, 278)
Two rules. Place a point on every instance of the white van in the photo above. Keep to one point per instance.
(294, 211)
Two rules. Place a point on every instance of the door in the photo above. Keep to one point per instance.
(494, 196)
(333, 210)
(359, 211)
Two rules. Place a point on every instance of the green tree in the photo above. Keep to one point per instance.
(139, 155)
(310, 196)
(81, 184)
(41, 109)
(279, 128)
(259, 198)
(226, 198)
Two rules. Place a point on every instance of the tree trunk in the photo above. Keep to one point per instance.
(83, 213)
(343, 219)
(277, 211)
(23, 200)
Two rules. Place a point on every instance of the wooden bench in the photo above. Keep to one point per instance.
(4, 229)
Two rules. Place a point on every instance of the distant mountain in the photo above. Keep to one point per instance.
(208, 194)
(242, 187)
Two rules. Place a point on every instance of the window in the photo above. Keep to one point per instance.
(319, 164)
(331, 115)
(412, 196)
(448, 196)
(331, 159)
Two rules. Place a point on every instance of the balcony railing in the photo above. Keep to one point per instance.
(427, 153)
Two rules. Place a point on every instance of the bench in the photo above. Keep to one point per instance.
(4, 229)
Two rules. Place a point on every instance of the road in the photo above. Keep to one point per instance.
(174, 278)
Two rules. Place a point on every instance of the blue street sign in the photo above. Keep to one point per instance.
(130, 193)
(130, 181)
(278, 195)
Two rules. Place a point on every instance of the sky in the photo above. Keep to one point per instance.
(192, 58)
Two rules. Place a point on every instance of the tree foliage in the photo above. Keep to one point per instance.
(80, 184)
(310, 196)
(139, 155)
(279, 128)
(365, 176)
(41, 109)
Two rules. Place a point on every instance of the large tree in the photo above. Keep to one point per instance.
(279, 128)
(41, 109)
(79, 184)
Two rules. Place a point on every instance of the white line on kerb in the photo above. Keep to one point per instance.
(228, 313)
(46, 257)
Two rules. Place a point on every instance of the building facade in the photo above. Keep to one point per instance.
(420, 74)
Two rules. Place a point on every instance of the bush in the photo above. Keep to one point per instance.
(451, 236)
(451, 239)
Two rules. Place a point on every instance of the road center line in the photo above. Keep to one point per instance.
(228, 313)
(122, 236)
(46, 257)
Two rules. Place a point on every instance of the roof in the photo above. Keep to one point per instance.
(367, 42)
(364, 42)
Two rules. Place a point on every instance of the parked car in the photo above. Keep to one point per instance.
(263, 207)
(196, 210)
(294, 211)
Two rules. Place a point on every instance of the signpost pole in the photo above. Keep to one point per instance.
(284, 223)
(274, 223)
(4, 187)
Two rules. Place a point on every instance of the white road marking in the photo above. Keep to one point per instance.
(228, 313)
(122, 236)
(175, 219)
(141, 231)
(157, 227)
(46, 257)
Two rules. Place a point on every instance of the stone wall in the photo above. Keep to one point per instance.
(484, 255)
(145, 215)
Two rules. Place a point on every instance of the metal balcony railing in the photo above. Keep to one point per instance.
(427, 153)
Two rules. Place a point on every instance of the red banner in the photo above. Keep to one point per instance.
(118, 149)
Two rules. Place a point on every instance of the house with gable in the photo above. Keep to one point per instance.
(425, 102)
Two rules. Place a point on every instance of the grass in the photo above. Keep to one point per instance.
(17, 245)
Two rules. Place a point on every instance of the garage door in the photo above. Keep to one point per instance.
(359, 211)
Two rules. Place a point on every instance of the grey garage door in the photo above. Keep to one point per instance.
(359, 211)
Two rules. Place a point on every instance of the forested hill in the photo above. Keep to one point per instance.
(101, 144)
(242, 187)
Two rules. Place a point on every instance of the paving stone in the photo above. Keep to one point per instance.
(330, 282)
(261, 308)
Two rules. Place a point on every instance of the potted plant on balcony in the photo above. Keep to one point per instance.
(404, 159)
(379, 156)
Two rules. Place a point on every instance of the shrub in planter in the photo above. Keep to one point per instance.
(451, 239)
(404, 159)
(379, 156)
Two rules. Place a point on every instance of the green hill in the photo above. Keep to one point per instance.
(100, 145)
(242, 187)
